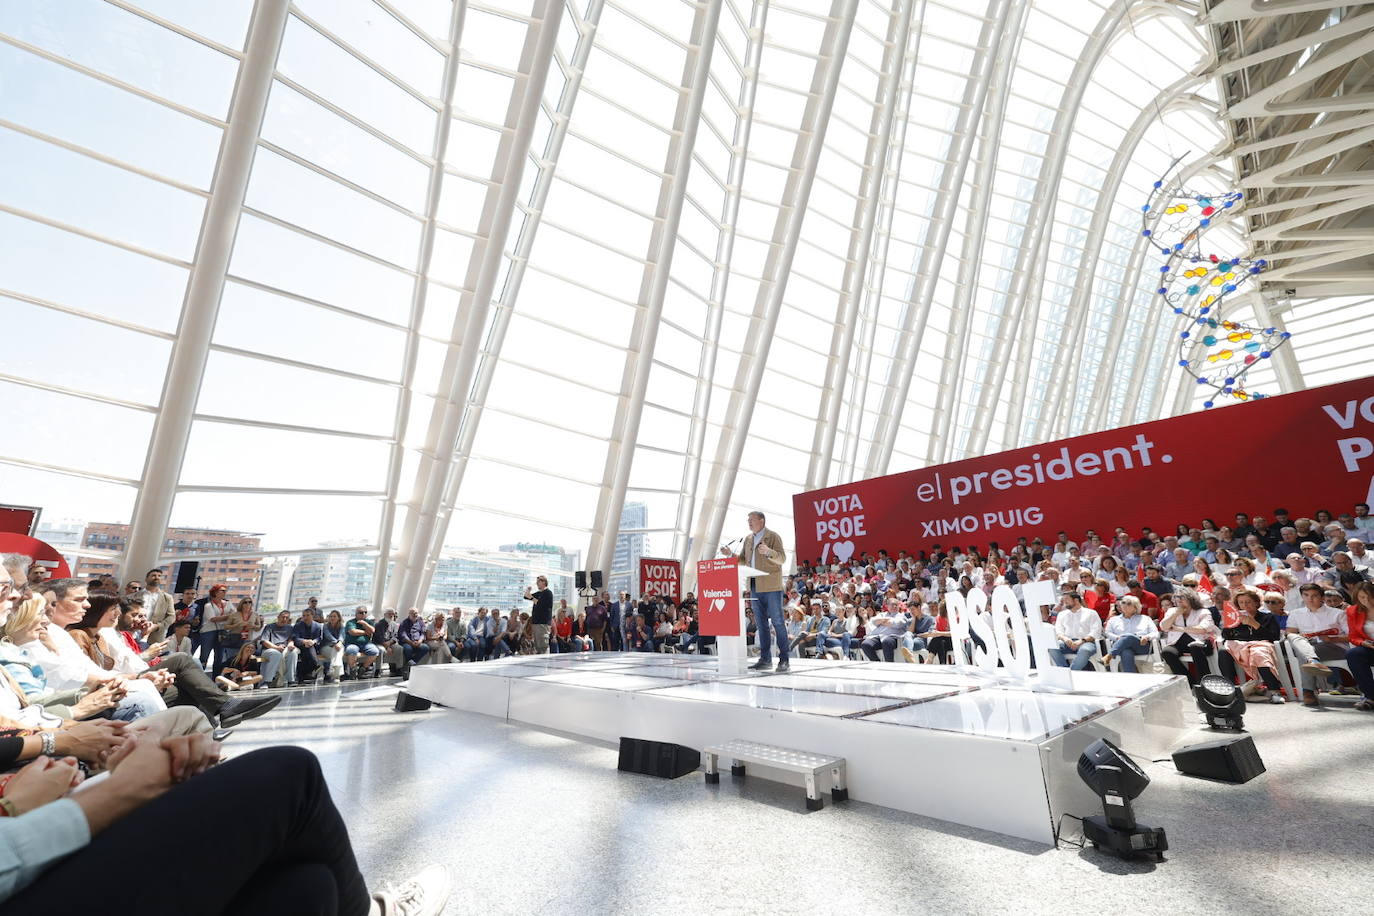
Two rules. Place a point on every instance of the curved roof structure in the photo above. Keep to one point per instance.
(416, 273)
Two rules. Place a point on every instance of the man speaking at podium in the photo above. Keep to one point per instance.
(762, 549)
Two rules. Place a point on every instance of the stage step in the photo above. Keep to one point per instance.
(740, 752)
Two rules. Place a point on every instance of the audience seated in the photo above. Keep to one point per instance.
(411, 635)
(360, 652)
(278, 651)
(1188, 627)
(387, 640)
(332, 647)
(435, 641)
(1129, 634)
(307, 635)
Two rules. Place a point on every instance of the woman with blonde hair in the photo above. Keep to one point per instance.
(435, 637)
(242, 669)
(33, 700)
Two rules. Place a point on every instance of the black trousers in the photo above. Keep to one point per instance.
(300, 861)
(307, 663)
(941, 647)
(193, 686)
(1199, 650)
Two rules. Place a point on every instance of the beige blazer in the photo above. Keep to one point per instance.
(772, 566)
(161, 611)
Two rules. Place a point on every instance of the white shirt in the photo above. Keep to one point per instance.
(1308, 621)
(1138, 625)
(1080, 624)
(68, 667)
(1199, 618)
(126, 660)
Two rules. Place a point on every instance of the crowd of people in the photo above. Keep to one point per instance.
(110, 736)
(1237, 594)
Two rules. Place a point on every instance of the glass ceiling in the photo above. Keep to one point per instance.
(695, 256)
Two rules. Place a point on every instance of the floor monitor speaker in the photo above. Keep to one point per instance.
(1229, 760)
(408, 702)
(657, 758)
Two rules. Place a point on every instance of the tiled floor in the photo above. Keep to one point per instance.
(532, 822)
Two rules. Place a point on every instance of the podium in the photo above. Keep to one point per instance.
(722, 582)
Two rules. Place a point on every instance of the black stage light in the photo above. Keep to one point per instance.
(1221, 702)
(1117, 780)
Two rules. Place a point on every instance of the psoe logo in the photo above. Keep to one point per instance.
(839, 519)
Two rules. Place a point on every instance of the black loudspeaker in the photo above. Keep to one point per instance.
(407, 702)
(657, 758)
(597, 581)
(1229, 760)
(187, 573)
(580, 579)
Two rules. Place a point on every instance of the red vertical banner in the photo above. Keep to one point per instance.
(662, 577)
(718, 597)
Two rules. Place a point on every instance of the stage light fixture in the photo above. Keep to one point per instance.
(1221, 702)
(1116, 779)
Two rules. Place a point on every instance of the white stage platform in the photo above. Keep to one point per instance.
(940, 741)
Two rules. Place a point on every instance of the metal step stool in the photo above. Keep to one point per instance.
(740, 752)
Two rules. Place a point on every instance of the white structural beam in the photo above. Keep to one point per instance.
(860, 244)
(1286, 367)
(1067, 371)
(524, 244)
(777, 269)
(200, 307)
(875, 274)
(1031, 260)
(720, 282)
(639, 359)
(416, 556)
(946, 204)
(953, 371)
(395, 459)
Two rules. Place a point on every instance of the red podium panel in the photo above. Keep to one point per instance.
(718, 597)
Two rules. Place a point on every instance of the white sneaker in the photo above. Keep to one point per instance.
(424, 895)
(1277, 698)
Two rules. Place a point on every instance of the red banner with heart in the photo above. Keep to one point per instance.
(1303, 452)
(718, 597)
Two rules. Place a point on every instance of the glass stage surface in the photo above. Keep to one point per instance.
(1001, 753)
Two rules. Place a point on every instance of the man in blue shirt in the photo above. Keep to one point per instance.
(307, 636)
(412, 638)
(477, 644)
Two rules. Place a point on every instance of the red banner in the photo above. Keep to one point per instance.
(42, 553)
(1302, 452)
(663, 577)
(718, 597)
(18, 519)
